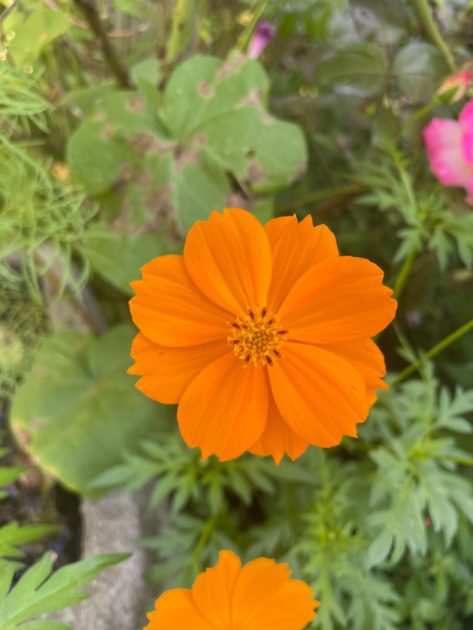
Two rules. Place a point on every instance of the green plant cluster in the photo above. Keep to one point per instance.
(38, 591)
(108, 155)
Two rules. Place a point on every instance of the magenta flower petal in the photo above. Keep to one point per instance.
(449, 146)
(443, 139)
(466, 122)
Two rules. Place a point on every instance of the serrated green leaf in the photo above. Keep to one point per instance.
(45, 625)
(379, 549)
(39, 591)
(10, 474)
(13, 536)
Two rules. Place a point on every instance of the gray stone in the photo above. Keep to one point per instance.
(111, 525)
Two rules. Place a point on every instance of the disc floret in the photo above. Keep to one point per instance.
(257, 337)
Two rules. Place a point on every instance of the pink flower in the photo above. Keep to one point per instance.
(263, 34)
(455, 87)
(449, 146)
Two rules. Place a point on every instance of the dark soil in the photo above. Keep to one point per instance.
(33, 499)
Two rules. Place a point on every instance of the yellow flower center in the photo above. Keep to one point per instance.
(257, 337)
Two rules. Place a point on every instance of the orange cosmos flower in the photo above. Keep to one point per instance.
(258, 596)
(262, 335)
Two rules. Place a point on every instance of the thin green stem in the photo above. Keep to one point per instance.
(462, 461)
(183, 31)
(404, 272)
(425, 15)
(203, 539)
(90, 11)
(421, 113)
(347, 190)
(442, 345)
(7, 11)
(245, 37)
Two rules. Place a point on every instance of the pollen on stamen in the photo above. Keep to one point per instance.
(255, 339)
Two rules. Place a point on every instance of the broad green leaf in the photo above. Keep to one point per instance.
(77, 411)
(358, 70)
(40, 29)
(264, 210)
(97, 157)
(148, 70)
(39, 591)
(419, 68)
(385, 21)
(178, 147)
(119, 257)
(203, 88)
(197, 189)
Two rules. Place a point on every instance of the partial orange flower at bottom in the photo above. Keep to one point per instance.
(258, 596)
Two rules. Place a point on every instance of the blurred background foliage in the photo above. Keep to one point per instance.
(122, 123)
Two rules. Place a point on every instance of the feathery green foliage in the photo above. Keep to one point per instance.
(423, 218)
(182, 476)
(40, 591)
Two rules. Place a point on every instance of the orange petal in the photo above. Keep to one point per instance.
(339, 299)
(224, 409)
(175, 610)
(319, 394)
(295, 248)
(265, 597)
(229, 259)
(166, 372)
(278, 438)
(171, 311)
(212, 590)
(366, 358)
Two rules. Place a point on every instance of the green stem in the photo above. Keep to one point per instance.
(347, 190)
(420, 114)
(462, 461)
(203, 539)
(7, 11)
(245, 37)
(112, 57)
(183, 29)
(426, 17)
(404, 272)
(454, 336)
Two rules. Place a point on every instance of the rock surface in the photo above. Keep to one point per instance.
(116, 602)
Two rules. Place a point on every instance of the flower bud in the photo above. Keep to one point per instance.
(454, 87)
(263, 34)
